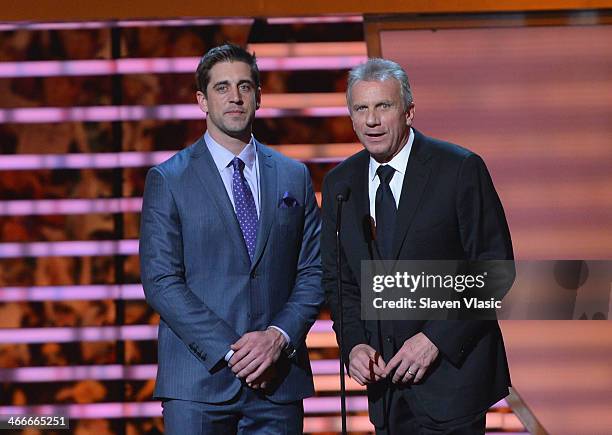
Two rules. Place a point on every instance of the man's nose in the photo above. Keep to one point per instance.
(372, 119)
(236, 96)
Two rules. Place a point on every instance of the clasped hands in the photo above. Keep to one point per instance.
(409, 364)
(254, 356)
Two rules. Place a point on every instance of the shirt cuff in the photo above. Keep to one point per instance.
(283, 333)
(229, 355)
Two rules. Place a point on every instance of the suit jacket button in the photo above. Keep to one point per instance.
(389, 339)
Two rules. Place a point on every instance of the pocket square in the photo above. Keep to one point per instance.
(288, 201)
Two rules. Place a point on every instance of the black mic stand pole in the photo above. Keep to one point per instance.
(340, 198)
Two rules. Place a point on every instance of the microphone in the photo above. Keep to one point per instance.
(343, 191)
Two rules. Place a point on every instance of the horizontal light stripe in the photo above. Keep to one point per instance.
(327, 405)
(358, 423)
(325, 366)
(69, 249)
(89, 333)
(80, 161)
(88, 411)
(149, 371)
(28, 25)
(31, 207)
(131, 159)
(107, 333)
(68, 293)
(22, 207)
(183, 22)
(163, 65)
(116, 372)
(153, 409)
(74, 206)
(321, 340)
(36, 115)
(76, 373)
(322, 326)
(316, 20)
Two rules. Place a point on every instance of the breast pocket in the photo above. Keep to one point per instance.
(291, 220)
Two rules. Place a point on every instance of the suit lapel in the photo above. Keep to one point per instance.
(210, 178)
(415, 179)
(269, 196)
(359, 201)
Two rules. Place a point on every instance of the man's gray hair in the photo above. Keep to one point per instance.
(379, 70)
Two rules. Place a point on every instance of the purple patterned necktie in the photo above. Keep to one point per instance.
(245, 206)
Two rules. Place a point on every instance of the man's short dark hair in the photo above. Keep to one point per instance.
(224, 53)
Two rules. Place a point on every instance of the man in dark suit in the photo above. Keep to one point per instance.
(229, 253)
(429, 200)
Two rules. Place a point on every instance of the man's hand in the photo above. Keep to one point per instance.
(263, 381)
(255, 352)
(361, 359)
(413, 359)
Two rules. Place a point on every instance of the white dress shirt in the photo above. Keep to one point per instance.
(223, 161)
(399, 163)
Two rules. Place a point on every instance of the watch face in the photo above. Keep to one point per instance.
(289, 351)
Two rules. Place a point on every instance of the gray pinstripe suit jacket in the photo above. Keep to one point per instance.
(197, 275)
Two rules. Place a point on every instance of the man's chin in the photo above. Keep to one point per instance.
(378, 151)
(239, 124)
(237, 127)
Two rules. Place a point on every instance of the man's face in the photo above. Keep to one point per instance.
(380, 120)
(231, 101)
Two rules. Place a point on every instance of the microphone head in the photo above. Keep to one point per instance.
(343, 191)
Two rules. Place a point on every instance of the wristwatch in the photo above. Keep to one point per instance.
(289, 350)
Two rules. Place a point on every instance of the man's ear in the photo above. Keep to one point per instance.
(202, 101)
(410, 114)
(258, 97)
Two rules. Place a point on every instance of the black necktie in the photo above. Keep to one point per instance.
(385, 212)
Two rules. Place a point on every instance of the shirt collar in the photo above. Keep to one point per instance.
(223, 157)
(399, 162)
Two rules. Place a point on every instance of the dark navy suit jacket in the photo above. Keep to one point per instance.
(197, 275)
(448, 210)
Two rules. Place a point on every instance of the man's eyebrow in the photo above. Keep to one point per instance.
(240, 82)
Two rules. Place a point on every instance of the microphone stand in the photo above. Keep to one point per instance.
(340, 198)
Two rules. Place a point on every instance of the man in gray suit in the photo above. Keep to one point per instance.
(229, 253)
